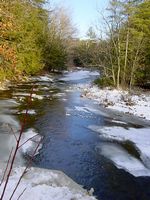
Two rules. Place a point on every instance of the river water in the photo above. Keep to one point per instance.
(68, 123)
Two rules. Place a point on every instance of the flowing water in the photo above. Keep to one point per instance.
(76, 136)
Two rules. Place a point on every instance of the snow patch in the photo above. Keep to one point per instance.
(30, 112)
(45, 88)
(37, 96)
(21, 94)
(45, 78)
(18, 94)
(64, 99)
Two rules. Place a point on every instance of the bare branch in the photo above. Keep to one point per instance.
(21, 193)
(12, 131)
(25, 170)
(28, 140)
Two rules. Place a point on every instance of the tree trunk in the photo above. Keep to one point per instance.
(126, 58)
(118, 59)
(134, 64)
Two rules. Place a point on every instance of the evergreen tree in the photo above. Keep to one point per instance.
(32, 38)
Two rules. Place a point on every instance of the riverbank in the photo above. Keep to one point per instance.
(43, 76)
(137, 104)
(4, 84)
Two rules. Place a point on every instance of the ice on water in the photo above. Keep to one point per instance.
(140, 138)
(123, 160)
(78, 75)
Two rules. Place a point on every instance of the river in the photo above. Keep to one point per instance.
(67, 122)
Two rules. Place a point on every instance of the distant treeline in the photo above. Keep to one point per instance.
(122, 53)
(32, 38)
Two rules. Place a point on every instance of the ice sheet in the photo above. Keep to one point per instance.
(123, 160)
(140, 138)
(78, 75)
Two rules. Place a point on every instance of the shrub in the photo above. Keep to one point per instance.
(104, 82)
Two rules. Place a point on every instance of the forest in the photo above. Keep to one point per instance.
(34, 38)
(122, 52)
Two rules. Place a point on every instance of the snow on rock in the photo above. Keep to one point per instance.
(139, 137)
(36, 96)
(30, 112)
(45, 88)
(78, 75)
(138, 105)
(22, 94)
(44, 78)
(42, 184)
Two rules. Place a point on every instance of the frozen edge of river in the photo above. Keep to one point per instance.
(45, 184)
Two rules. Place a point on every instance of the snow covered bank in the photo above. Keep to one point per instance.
(138, 105)
(140, 139)
(42, 184)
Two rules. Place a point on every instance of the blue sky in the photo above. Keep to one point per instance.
(84, 12)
